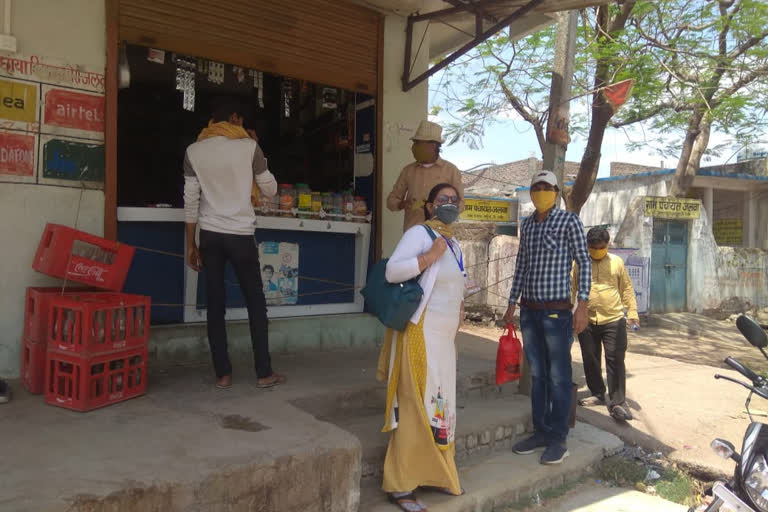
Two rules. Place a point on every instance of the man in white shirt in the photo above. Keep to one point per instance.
(220, 170)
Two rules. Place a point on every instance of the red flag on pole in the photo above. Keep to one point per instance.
(617, 94)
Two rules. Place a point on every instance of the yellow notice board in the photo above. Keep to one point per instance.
(18, 101)
(728, 231)
(487, 210)
(672, 208)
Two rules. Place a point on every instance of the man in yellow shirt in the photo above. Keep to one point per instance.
(417, 179)
(610, 295)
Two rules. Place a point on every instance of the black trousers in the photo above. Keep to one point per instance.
(614, 337)
(241, 251)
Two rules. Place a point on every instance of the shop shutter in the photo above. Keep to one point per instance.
(329, 42)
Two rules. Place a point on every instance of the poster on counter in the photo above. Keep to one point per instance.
(280, 272)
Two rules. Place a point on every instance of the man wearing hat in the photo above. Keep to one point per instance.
(417, 178)
(550, 240)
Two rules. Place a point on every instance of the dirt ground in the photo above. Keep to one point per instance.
(678, 405)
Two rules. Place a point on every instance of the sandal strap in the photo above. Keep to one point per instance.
(407, 502)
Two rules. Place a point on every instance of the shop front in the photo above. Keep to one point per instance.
(306, 73)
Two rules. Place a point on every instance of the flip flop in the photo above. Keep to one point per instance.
(591, 400)
(278, 379)
(407, 502)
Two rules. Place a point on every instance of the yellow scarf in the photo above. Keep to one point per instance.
(441, 227)
(223, 129)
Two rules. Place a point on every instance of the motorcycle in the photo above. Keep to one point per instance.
(747, 491)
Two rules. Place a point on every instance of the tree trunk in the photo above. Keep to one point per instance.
(694, 146)
(590, 161)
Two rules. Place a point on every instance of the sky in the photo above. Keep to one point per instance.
(513, 139)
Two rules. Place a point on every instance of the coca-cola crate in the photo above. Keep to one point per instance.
(92, 323)
(33, 365)
(83, 383)
(37, 309)
(84, 258)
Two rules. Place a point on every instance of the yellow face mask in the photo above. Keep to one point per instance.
(423, 153)
(598, 254)
(543, 200)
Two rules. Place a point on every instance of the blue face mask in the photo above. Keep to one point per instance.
(447, 213)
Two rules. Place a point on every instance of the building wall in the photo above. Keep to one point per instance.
(627, 169)
(73, 32)
(402, 113)
(610, 201)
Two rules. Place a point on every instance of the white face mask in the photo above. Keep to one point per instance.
(426, 165)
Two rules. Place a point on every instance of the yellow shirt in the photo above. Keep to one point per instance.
(611, 291)
(416, 181)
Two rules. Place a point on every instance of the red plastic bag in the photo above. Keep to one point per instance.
(508, 356)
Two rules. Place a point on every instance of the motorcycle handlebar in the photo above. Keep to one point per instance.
(733, 363)
(759, 391)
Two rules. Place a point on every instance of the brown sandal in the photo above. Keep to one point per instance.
(273, 380)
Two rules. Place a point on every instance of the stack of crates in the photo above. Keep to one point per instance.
(96, 342)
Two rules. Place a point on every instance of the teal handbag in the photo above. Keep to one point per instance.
(393, 304)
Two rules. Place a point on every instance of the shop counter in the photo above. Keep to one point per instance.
(332, 265)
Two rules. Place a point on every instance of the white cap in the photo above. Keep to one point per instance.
(544, 177)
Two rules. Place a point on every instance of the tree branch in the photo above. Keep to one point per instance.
(742, 82)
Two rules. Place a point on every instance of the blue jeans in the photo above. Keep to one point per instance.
(547, 339)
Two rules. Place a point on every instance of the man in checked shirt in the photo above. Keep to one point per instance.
(550, 240)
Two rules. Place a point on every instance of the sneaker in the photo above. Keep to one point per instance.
(529, 445)
(554, 454)
(5, 392)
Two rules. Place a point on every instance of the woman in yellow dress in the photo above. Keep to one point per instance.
(419, 363)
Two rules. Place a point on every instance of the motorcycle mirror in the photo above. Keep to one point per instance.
(723, 448)
(752, 331)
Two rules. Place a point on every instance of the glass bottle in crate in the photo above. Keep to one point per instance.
(139, 321)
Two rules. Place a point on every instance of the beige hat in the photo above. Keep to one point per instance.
(429, 131)
(544, 177)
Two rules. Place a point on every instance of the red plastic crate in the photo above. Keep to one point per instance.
(93, 323)
(33, 365)
(84, 258)
(84, 383)
(37, 309)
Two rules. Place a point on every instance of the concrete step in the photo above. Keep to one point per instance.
(504, 478)
(483, 428)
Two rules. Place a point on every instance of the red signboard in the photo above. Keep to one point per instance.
(17, 154)
(76, 110)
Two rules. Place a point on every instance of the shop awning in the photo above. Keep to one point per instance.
(456, 26)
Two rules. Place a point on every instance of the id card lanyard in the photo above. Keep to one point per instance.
(459, 259)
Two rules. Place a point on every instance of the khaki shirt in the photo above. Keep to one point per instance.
(416, 181)
(611, 291)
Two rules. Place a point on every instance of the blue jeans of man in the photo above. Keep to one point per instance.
(547, 339)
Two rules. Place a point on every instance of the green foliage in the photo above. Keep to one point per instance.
(686, 57)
